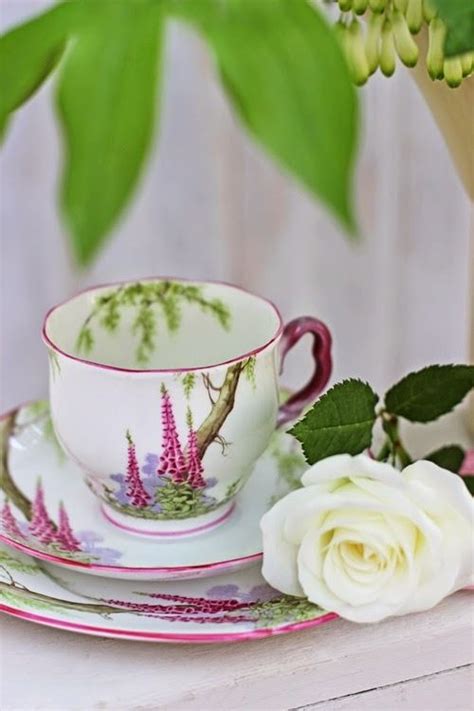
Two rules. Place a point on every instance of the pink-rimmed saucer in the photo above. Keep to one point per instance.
(232, 607)
(47, 511)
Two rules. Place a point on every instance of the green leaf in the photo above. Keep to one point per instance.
(340, 422)
(106, 103)
(450, 457)
(469, 481)
(286, 76)
(459, 18)
(28, 53)
(431, 392)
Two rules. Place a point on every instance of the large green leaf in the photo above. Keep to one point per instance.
(29, 52)
(469, 481)
(459, 18)
(449, 457)
(106, 102)
(431, 392)
(285, 73)
(340, 422)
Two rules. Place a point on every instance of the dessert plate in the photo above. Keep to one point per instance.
(47, 511)
(229, 608)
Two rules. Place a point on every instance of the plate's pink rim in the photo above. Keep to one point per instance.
(163, 636)
(104, 366)
(220, 565)
(67, 563)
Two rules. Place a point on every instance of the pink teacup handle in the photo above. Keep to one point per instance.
(293, 331)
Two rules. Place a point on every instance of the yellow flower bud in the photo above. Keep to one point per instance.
(435, 56)
(414, 15)
(406, 46)
(356, 54)
(373, 41)
(453, 71)
(387, 51)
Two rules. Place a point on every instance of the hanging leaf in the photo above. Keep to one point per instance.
(459, 18)
(340, 422)
(431, 392)
(287, 78)
(106, 103)
(29, 52)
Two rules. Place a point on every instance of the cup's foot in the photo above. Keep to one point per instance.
(168, 529)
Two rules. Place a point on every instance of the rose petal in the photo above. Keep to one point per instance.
(279, 561)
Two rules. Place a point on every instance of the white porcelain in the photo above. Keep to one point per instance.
(46, 510)
(165, 393)
(229, 608)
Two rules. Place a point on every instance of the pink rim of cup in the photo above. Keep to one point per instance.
(104, 366)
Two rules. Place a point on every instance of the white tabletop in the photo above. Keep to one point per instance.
(49, 669)
(421, 661)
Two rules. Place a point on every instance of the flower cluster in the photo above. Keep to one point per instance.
(171, 485)
(43, 533)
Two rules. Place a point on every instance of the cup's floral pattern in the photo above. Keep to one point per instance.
(171, 485)
(32, 515)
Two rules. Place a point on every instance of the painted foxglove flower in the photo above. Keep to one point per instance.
(366, 541)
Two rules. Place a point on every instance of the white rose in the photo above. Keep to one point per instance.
(366, 541)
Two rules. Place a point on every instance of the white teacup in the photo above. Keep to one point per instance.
(165, 392)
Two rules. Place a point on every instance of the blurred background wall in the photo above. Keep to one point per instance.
(211, 205)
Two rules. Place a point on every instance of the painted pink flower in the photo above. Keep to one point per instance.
(64, 536)
(9, 522)
(172, 459)
(195, 467)
(41, 527)
(136, 492)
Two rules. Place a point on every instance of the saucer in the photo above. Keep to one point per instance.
(48, 512)
(232, 607)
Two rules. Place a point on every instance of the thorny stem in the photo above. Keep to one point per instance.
(384, 451)
(393, 443)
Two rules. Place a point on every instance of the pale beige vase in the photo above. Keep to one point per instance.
(453, 111)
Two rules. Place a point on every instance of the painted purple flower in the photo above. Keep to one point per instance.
(260, 593)
(103, 555)
(118, 478)
(151, 464)
(89, 538)
(220, 592)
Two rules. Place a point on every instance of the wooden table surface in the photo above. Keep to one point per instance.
(418, 662)
(421, 661)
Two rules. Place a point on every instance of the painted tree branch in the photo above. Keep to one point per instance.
(209, 430)
(14, 494)
(27, 594)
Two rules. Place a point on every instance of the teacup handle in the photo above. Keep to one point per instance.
(292, 332)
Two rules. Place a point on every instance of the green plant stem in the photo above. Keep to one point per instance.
(390, 427)
(384, 451)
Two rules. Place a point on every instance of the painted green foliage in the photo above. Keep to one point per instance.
(149, 301)
(54, 363)
(188, 382)
(289, 460)
(249, 370)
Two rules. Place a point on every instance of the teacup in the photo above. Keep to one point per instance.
(165, 392)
